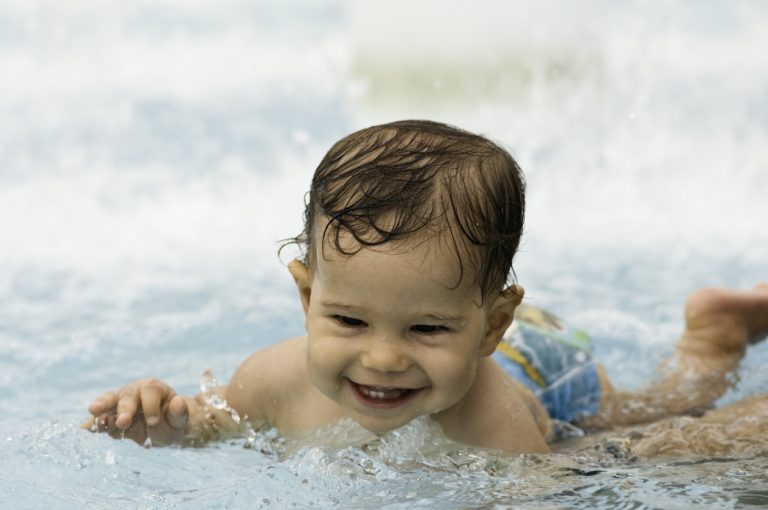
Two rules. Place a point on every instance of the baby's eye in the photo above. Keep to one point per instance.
(348, 321)
(428, 329)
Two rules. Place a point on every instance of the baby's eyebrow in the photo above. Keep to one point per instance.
(434, 316)
(331, 304)
(441, 317)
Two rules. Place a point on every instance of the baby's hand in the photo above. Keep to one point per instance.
(147, 408)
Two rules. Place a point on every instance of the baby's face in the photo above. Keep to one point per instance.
(389, 337)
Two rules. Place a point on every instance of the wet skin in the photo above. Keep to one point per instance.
(390, 337)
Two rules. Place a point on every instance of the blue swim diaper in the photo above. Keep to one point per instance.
(554, 361)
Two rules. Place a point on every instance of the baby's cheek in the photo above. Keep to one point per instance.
(326, 359)
(322, 373)
(323, 350)
(459, 374)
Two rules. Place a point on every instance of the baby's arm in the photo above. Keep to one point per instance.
(150, 409)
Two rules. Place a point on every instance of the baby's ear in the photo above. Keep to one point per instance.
(500, 316)
(303, 279)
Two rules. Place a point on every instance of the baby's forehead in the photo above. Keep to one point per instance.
(437, 253)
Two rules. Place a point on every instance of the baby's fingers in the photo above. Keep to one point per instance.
(152, 396)
(127, 406)
(104, 404)
(177, 414)
(88, 424)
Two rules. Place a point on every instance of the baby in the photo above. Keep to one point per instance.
(410, 230)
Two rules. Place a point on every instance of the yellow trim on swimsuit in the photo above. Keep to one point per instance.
(521, 360)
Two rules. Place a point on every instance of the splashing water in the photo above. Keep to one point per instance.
(267, 442)
(208, 387)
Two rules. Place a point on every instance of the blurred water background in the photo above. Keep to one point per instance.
(153, 155)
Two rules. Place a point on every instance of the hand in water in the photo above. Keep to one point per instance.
(145, 409)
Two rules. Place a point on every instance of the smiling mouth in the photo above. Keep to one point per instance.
(382, 397)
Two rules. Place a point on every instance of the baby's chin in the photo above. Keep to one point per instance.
(378, 429)
(382, 427)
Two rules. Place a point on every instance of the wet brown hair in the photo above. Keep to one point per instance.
(394, 181)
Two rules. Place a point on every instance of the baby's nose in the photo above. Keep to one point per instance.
(384, 355)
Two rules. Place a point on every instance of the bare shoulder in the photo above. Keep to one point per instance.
(497, 413)
(258, 385)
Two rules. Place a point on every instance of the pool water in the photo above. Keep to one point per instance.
(154, 154)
